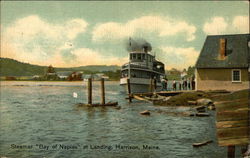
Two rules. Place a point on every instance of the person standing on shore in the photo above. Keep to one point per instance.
(189, 83)
(181, 84)
(185, 84)
(163, 83)
(174, 85)
(193, 83)
(166, 83)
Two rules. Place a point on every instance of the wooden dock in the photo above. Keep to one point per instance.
(232, 123)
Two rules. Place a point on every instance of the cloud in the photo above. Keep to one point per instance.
(162, 26)
(179, 58)
(241, 23)
(75, 27)
(36, 41)
(6, 50)
(87, 56)
(32, 39)
(31, 26)
(218, 25)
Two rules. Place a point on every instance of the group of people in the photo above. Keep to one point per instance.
(164, 82)
(184, 84)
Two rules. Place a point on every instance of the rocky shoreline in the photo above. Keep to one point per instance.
(198, 102)
(202, 98)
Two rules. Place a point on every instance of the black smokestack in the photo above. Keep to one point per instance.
(138, 44)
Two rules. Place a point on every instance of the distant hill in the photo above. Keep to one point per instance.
(11, 67)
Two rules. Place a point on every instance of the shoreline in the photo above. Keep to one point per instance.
(184, 99)
(53, 81)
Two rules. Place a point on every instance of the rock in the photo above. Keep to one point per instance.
(192, 102)
(189, 114)
(211, 107)
(192, 114)
(204, 102)
(167, 98)
(146, 112)
(118, 107)
(201, 108)
(154, 95)
(161, 101)
(202, 114)
(158, 102)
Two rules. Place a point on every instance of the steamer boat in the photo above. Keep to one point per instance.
(141, 69)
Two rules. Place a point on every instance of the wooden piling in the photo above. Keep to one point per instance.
(102, 91)
(129, 90)
(89, 91)
(231, 151)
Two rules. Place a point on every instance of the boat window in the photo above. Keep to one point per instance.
(143, 56)
(133, 56)
(148, 75)
(130, 56)
(139, 56)
(124, 73)
(139, 74)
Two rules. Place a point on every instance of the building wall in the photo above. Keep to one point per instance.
(220, 79)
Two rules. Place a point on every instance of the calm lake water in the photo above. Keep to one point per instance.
(45, 114)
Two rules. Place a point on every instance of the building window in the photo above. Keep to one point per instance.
(236, 76)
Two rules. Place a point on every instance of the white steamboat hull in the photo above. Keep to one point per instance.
(139, 85)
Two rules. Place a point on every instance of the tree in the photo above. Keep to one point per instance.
(50, 69)
(190, 71)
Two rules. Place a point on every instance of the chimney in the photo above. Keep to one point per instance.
(222, 49)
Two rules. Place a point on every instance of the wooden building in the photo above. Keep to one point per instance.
(223, 63)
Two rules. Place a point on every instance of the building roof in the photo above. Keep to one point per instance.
(237, 52)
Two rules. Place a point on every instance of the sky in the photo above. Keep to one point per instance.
(79, 33)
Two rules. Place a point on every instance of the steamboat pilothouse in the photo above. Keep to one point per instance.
(141, 68)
